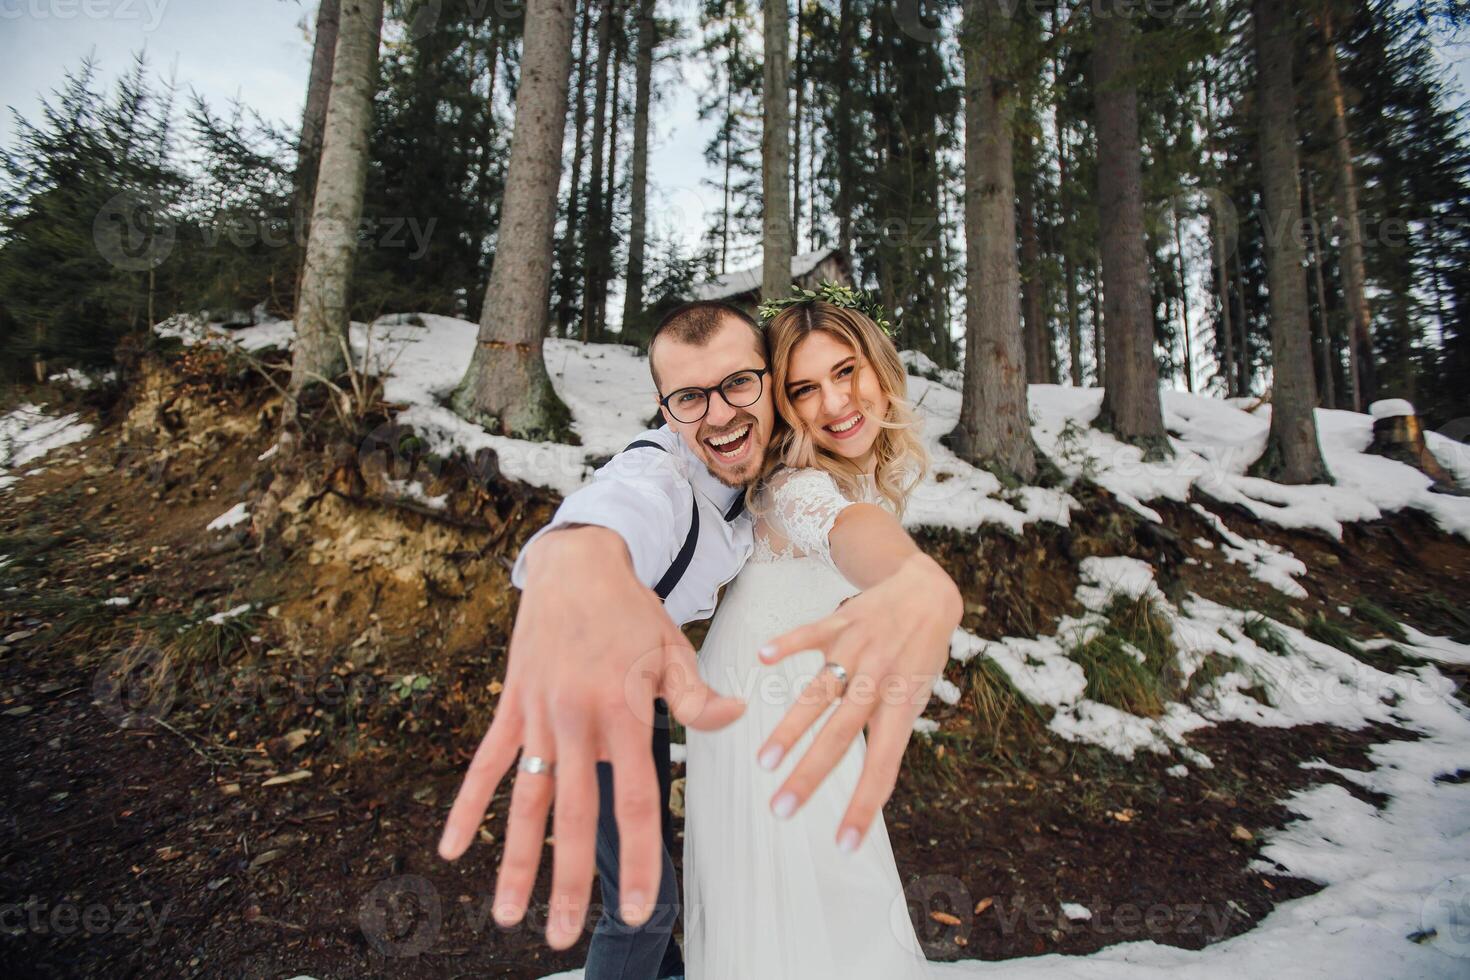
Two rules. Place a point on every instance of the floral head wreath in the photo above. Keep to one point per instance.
(837, 295)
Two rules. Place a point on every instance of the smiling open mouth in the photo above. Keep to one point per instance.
(731, 446)
(846, 428)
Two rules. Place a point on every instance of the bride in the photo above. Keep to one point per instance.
(786, 876)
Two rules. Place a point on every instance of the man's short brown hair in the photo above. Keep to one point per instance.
(695, 323)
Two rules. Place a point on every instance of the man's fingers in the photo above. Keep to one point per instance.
(693, 702)
(813, 636)
(496, 752)
(525, 829)
(887, 740)
(831, 743)
(574, 829)
(639, 808)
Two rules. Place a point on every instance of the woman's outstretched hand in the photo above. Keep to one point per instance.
(893, 641)
(591, 649)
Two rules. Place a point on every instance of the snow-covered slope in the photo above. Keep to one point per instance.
(610, 394)
(1390, 873)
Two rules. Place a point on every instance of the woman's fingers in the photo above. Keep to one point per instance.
(496, 752)
(887, 739)
(530, 799)
(827, 749)
(812, 700)
(813, 636)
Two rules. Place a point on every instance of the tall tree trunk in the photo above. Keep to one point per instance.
(1222, 284)
(314, 123)
(1292, 454)
(1184, 305)
(1131, 391)
(1243, 377)
(796, 137)
(1033, 320)
(506, 387)
(1099, 329)
(1362, 373)
(610, 195)
(994, 429)
(776, 154)
(1324, 328)
(729, 126)
(1065, 239)
(567, 254)
(321, 313)
(637, 208)
(846, 26)
(1220, 211)
(595, 247)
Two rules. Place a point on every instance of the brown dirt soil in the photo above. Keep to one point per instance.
(142, 833)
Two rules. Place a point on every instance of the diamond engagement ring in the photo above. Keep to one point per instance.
(838, 671)
(535, 765)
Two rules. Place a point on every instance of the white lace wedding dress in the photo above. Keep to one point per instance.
(765, 897)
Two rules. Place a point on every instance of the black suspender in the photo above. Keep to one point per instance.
(686, 551)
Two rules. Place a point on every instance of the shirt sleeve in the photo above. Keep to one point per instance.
(805, 504)
(641, 495)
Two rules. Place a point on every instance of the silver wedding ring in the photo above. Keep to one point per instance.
(535, 765)
(838, 671)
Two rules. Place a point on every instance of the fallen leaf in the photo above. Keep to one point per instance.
(1240, 833)
(296, 738)
(292, 777)
(266, 857)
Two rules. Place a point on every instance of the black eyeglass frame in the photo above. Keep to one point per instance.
(708, 393)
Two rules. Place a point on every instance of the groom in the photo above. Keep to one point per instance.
(597, 661)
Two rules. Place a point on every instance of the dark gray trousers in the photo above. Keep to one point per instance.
(647, 952)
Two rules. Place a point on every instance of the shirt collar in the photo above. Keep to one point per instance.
(703, 480)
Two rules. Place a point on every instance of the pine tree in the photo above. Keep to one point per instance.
(506, 387)
(1292, 454)
(994, 429)
(633, 328)
(1131, 406)
(322, 313)
(776, 153)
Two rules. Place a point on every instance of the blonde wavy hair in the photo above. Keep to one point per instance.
(901, 457)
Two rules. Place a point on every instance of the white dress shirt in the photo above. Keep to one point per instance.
(645, 496)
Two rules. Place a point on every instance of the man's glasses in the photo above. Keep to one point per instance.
(740, 390)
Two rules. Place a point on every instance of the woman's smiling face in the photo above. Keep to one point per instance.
(841, 416)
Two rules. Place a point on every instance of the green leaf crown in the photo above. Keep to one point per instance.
(837, 295)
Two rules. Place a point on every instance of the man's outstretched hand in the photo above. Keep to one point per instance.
(893, 641)
(591, 649)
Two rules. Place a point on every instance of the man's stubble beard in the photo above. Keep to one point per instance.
(754, 464)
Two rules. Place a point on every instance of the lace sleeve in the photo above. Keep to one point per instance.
(804, 506)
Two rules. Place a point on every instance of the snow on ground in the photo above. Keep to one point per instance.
(27, 433)
(611, 398)
(1389, 874)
